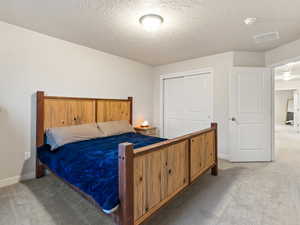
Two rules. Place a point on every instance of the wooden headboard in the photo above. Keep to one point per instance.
(55, 111)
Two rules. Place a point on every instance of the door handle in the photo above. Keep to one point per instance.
(233, 119)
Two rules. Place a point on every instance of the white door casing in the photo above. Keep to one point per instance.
(250, 114)
(297, 110)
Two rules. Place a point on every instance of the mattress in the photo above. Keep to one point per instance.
(92, 165)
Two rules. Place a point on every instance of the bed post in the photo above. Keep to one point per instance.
(126, 155)
(40, 169)
(214, 170)
(131, 106)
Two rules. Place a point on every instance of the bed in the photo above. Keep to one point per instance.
(129, 176)
(92, 165)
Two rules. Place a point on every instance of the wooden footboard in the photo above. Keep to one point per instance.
(151, 176)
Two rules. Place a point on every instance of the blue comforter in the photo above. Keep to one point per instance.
(92, 165)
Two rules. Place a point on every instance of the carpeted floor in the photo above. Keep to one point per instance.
(243, 194)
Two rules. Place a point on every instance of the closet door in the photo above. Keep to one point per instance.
(174, 107)
(187, 104)
(198, 102)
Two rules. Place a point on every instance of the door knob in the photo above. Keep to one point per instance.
(233, 119)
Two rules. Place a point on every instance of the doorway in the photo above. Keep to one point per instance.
(286, 110)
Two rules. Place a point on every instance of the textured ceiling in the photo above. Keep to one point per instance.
(192, 28)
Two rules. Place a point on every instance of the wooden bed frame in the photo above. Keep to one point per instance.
(149, 176)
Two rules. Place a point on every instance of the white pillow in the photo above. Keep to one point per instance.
(59, 136)
(115, 127)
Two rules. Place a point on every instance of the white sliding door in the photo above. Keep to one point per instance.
(173, 107)
(187, 104)
(198, 105)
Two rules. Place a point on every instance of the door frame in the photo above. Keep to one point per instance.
(163, 77)
(273, 66)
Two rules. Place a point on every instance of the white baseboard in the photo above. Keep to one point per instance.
(223, 156)
(16, 179)
(9, 181)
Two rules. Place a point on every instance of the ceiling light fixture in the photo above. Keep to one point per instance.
(250, 20)
(151, 22)
(287, 76)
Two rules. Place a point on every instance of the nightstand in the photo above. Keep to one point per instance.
(149, 131)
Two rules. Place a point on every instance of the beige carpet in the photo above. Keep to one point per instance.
(243, 194)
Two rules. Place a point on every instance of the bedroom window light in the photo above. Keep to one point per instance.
(287, 76)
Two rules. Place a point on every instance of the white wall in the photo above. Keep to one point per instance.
(281, 98)
(30, 61)
(221, 65)
(284, 53)
(242, 58)
(287, 84)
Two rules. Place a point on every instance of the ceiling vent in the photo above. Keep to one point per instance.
(265, 37)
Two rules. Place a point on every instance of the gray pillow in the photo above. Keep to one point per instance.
(115, 127)
(60, 136)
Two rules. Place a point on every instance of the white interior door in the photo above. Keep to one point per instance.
(187, 104)
(250, 111)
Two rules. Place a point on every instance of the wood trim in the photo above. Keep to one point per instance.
(131, 107)
(126, 210)
(162, 144)
(39, 168)
(84, 98)
(40, 118)
(214, 170)
(139, 128)
(96, 111)
(189, 161)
